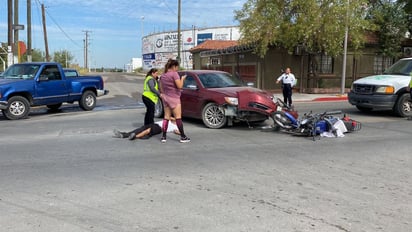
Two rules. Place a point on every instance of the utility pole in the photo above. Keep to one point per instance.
(45, 32)
(16, 32)
(28, 51)
(86, 49)
(178, 32)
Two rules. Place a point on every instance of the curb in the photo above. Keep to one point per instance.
(342, 98)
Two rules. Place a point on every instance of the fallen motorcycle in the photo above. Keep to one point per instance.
(314, 124)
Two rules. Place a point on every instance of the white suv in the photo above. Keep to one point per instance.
(387, 91)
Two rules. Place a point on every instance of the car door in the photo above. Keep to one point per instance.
(51, 88)
(190, 98)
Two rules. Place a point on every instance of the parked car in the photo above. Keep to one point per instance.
(44, 83)
(220, 99)
(387, 91)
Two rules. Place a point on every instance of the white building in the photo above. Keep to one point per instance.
(135, 64)
(159, 47)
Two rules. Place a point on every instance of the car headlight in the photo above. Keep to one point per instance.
(385, 89)
(232, 101)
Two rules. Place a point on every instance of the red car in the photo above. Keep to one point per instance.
(220, 99)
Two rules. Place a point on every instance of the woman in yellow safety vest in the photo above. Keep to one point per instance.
(150, 95)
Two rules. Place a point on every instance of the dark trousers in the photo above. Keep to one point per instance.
(287, 94)
(150, 110)
(154, 130)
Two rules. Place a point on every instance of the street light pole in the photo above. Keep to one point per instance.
(142, 31)
(142, 28)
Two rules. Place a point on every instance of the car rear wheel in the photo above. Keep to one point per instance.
(18, 108)
(88, 100)
(213, 116)
(403, 106)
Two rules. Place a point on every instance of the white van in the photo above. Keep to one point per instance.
(387, 91)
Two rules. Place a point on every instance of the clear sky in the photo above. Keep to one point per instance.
(115, 27)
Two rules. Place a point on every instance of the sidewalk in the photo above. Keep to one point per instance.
(305, 97)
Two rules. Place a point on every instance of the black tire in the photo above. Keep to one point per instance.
(159, 112)
(55, 106)
(18, 108)
(364, 109)
(403, 106)
(213, 116)
(280, 119)
(88, 100)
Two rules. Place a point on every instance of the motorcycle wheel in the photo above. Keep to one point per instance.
(282, 120)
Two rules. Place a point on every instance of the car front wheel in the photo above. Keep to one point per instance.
(18, 108)
(403, 106)
(213, 116)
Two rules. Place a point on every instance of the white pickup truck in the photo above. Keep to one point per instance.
(387, 91)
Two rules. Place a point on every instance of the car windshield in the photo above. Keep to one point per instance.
(219, 80)
(402, 67)
(21, 71)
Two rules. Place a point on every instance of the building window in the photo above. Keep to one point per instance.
(325, 64)
(381, 63)
(214, 60)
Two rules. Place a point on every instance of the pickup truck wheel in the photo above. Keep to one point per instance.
(213, 116)
(88, 100)
(403, 106)
(18, 108)
(54, 106)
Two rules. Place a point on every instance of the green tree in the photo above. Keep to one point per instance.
(63, 57)
(36, 56)
(408, 10)
(392, 20)
(317, 25)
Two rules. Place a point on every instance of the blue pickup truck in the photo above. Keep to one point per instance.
(45, 83)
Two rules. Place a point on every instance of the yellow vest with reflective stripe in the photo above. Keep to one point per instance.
(147, 92)
(410, 82)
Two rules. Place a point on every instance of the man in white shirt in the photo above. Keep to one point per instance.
(288, 81)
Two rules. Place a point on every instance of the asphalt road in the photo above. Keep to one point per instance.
(63, 171)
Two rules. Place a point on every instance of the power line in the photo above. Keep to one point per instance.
(61, 29)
